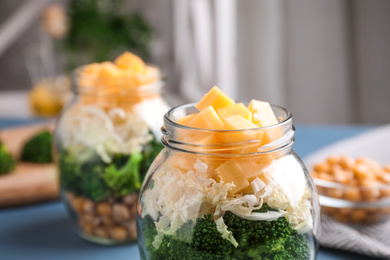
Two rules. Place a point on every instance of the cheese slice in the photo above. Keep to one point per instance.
(236, 109)
(215, 98)
(207, 119)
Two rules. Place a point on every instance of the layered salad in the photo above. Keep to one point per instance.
(106, 141)
(236, 195)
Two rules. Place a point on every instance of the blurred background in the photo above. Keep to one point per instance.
(327, 61)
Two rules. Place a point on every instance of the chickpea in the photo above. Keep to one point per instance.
(104, 209)
(120, 212)
(339, 174)
(88, 206)
(347, 162)
(322, 167)
(107, 221)
(336, 193)
(353, 194)
(384, 177)
(326, 176)
(333, 159)
(358, 215)
(118, 233)
(385, 192)
(369, 192)
(77, 204)
(361, 171)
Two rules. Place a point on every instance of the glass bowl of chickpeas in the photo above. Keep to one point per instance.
(353, 190)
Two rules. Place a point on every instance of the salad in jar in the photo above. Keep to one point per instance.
(105, 141)
(228, 186)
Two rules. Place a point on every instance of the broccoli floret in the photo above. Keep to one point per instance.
(38, 149)
(98, 180)
(7, 162)
(204, 243)
(126, 179)
(266, 239)
(258, 240)
(70, 173)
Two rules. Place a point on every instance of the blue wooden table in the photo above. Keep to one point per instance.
(43, 231)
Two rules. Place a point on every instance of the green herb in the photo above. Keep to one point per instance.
(38, 149)
(7, 162)
(100, 29)
(257, 240)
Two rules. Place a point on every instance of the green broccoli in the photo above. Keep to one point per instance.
(258, 240)
(38, 149)
(126, 179)
(206, 243)
(98, 180)
(7, 162)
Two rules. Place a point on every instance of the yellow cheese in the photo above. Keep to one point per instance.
(108, 69)
(182, 162)
(130, 62)
(236, 109)
(242, 172)
(215, 98)
(237, 122)
(230, 172)
(207, 119)
(185, 120)
(263, 115)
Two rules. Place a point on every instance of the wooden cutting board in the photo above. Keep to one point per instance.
(29, 182)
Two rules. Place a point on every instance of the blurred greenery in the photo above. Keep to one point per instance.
(101, 29)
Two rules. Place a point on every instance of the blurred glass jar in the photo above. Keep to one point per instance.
(188, 205)
(105, 140)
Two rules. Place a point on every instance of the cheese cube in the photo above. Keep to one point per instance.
(263, 115)
(215, 98)
(230, 172)
(237, 122)
(207, 119)
(185, 120)
(236, 109)
(130, 62)
(108, 70)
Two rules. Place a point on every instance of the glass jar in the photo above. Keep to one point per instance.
(105, 140)
(216, 194)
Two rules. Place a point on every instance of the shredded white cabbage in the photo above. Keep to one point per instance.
(106, 133)
(223, 229)
(183, 197)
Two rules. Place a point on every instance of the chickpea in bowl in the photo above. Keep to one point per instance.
(353, 191)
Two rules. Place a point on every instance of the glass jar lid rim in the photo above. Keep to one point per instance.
(168, 115)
